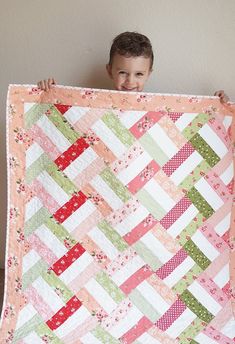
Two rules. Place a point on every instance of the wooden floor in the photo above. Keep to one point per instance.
(1, 287)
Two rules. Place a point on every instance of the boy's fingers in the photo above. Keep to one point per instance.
(45, 82)
(223, 96)
(219, 93)
(226, 98)
(50, 82)
(40, 85)
(43, 85)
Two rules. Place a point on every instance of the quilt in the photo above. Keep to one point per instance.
(120, 218)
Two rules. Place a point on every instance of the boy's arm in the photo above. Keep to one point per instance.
(46, 84)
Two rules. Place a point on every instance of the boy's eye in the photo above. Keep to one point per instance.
(122, 72)
(139, 74)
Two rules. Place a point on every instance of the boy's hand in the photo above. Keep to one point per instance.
(223, 97)
(46, 84)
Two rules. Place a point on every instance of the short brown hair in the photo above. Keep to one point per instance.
(131, 44)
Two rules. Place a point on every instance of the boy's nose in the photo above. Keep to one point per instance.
(130, 79)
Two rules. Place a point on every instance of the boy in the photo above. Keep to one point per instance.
(130, 64)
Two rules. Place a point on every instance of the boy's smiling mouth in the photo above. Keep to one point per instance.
(129, 89)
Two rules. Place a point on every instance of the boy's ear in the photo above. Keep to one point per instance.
(109, 70)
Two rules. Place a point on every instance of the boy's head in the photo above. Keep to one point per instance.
(130, 61)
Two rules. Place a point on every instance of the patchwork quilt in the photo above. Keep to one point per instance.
(120, 218)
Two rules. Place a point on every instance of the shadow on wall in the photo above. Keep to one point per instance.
(97, 77)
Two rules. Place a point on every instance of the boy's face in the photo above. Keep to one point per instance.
(129, 73)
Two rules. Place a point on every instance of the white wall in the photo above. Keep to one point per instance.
(193, 42)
